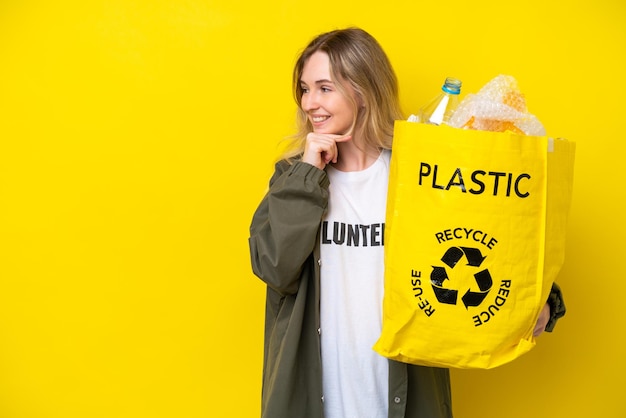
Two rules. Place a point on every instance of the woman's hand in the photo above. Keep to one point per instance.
(321, 149)
(542, 321)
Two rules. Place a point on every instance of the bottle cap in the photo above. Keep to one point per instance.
(452, 86)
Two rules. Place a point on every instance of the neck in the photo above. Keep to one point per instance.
(355, 158)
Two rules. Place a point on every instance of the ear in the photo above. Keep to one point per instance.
(359, 101)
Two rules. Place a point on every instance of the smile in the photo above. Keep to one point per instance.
(318, 119)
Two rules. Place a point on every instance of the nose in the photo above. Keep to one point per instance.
(309, 102)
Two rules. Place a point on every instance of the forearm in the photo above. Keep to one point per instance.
(285, 226)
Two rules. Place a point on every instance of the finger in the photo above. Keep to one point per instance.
(542, 321)
(328, 157)
(335, 155)
(321, 149)
(332, 153)
(319, 152)
(343, 138)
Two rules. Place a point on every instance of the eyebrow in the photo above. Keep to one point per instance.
(323, 81)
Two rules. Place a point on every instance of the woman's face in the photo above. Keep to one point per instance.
(328, 109)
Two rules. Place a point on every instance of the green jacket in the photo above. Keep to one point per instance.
(284, 248)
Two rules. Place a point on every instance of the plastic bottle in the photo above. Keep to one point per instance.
(439, 110)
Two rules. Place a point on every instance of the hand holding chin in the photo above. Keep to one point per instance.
(321, 149)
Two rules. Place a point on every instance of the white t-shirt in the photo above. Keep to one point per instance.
(355, 377)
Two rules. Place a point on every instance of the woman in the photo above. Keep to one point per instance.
(325, 289)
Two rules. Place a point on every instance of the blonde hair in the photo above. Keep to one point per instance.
(358, 59)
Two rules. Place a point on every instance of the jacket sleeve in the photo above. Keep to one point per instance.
(285, 226)
(557, 306)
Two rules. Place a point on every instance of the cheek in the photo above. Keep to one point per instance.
(351, 111)
(347, 107)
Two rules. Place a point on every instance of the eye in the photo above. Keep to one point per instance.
(304, 89)
(326, 89)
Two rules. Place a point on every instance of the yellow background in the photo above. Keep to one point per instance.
(137, 138)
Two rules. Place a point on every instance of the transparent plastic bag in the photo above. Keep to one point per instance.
(499, 106)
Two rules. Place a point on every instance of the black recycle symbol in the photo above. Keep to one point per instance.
(483, 279)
